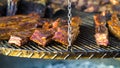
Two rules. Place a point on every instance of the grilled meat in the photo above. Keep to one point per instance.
(75, 24)
(18, 29)
(101, 31)
(41, 36)
(18, 23)
(6, 32)
(20, 38)
(61, 35)
(17, 40)
(19, 20)
(85, 5)
(114, 25)
(57, 31)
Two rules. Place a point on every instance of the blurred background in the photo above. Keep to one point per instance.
(15, 62)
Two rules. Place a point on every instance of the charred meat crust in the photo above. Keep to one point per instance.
(22, 28)
(61, 35)
(56, 31)
(17, 40)
(21, 37)
(114, 25)
(87, 5)
(41, 36)
(11, 24)
(101, 31)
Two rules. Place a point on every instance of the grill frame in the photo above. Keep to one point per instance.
(83, 47)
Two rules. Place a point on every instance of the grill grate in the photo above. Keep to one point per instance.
(84, 46)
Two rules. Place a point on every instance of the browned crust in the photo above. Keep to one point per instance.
(114, 25)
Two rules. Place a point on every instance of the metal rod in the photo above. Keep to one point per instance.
(11, 7)
(69, 26)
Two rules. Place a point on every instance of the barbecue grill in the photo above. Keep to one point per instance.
(83, 47)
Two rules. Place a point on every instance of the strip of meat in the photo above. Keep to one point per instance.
(18, 29)
(5, 33)
(86, 5)
(58, 32)
(61, 35)
(18, 20)
(101, 31)
(75, 24)
(17, 40)
(20, 38)
(18, 23)
(114, 25)
(41, 36)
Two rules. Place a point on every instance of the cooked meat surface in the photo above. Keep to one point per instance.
(61, 35)
(18, 23)
(21, 37)
(101, 31)
(41, 36)
(21, 28)
(57, 31)
(114, 25)
(86, 5)
(18, 20)
(6, 32)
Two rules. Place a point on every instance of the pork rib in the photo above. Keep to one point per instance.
(17, 23)
(101, 31)
(58, 32)
(21, 37)
(114, 25)
(41, 36)
(61, 35)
